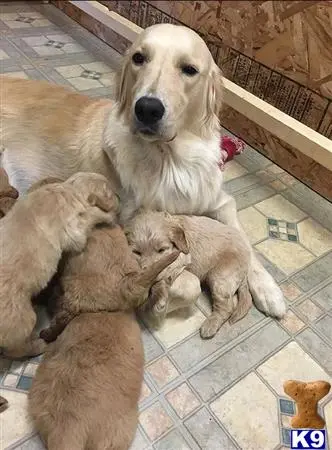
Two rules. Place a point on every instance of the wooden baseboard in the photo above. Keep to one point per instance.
(295, 139)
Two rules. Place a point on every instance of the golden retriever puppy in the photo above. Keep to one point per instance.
(219, 257)
(105, 276)
(8, 194)
(86, 390)
(34, 234)
(159, 143)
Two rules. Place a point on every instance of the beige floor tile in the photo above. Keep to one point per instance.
(292, 323)
(309, 310)
(290, 290)
(278, 185)
(97, 67)
(83, 84)
(70, 71)
(287, 256)
(65, 38)
(73, 48)
(254, 224)
(34, 41)
(233, 170)
(17, 75)
(145, 392)
(291, 363)
(183, 400)
(162, 371)
(3, 55)
(314, 237)
(328, 419)
(155, 421)
(108, 79)
(275, 169)
(256, 431)
(14, 421)
(45, 50)
(16, 24)
(177, 327)
(279, 208)
(41, 23)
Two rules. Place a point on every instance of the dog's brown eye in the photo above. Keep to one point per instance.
(138, 58)
(137, 253)
(162, 250)
(189, 70)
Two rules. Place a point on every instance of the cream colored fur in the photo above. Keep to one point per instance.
(34, 234)
(48, 131)
(219, 257)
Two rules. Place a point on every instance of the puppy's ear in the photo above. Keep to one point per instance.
(102, 203)
(178, 239)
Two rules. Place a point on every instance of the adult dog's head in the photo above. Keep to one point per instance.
(169, 83)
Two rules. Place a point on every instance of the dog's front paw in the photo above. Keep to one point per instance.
(210, 327)
(266, 294)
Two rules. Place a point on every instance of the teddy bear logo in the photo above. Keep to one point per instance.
(306, 397)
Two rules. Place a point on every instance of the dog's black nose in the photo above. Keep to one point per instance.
(149, 110)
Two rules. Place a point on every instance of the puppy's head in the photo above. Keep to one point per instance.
(152, 235)
(97, 191)
(169, 82)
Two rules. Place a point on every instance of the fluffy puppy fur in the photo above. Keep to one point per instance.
(86, 390)
(34, 234)
(219, 257)
(171, 165)
(8, 194)
(104, 277)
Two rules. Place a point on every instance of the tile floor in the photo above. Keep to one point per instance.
(225, 393)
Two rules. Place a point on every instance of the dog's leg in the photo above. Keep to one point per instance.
(266, 293)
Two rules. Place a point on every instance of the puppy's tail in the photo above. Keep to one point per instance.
(137, 285)
(244, 303)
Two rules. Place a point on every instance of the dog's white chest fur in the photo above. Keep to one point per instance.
(180, 177)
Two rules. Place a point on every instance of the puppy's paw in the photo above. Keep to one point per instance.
(211, 326)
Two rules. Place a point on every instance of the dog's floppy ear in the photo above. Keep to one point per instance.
(178, 239)
(106, 203)
(214, 92)
(122, 83)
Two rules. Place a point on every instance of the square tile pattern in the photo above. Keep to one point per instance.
(227, 392)
(279, 229)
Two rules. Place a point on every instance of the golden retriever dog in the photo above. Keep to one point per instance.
(41, 226)
(158, 142)
(220, 257)
(103, 277)
(86, 390)
(85, 393)
(8, 194)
